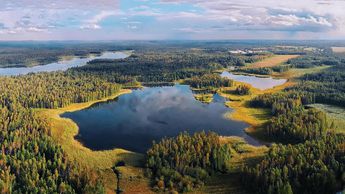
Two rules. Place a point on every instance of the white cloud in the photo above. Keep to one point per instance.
(180, 15)
(93, 23)
(151, 19)
(46, 15)
(62, 4)
(268, 15)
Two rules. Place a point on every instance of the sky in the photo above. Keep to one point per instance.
(171, 19)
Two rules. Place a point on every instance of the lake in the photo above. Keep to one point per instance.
(61, 65)
(133, 121)
(261, 83)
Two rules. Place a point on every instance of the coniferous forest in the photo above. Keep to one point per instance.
(303, 150)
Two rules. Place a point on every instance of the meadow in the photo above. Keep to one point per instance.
(335, 114)
(272, 61)
(338, 49)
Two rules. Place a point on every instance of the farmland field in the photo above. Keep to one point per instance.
(272, 61)
(338, 49)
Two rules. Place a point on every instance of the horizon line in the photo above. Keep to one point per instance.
(159, 40)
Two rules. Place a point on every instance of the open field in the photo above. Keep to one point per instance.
(335, 114)
(63, 131)
(298, 72)
(338, 49)
(242, 154)
(272, 61)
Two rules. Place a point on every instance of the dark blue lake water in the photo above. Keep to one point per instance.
(134, 120)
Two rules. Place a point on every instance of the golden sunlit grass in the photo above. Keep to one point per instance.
(272, 61)
(205, 98)
(338, 49)
(335, 115)
(257, 117)
(64, 130)
(242, 154)
(298, 72)
(66, 57)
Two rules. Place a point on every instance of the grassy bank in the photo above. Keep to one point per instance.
(205, 98)
(298, 72)
(257, 117)
(242, 154)
(64, 130)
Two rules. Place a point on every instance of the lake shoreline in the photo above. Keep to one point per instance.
(255, 117)
(167, 111)
(64, 130)
(62, 65)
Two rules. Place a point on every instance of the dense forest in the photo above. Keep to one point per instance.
(311, 160)
(316, 166)
(185, 162)
(255, 57)
(53, 90)
(308, 61)
(326, 87)
(242, 89)
(298, 125)
(260, 71)
(315, 162)
(291, 122)
(31, 162)
(209, 81)
(26, 54)
(164, 66)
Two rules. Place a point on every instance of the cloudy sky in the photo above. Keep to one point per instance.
(171, 19)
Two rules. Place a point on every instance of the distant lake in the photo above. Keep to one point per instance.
(61, 65)
(134, 120)
(261, 83)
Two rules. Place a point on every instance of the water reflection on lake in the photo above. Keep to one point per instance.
(134, 120)
(61, 65)
(257, 82)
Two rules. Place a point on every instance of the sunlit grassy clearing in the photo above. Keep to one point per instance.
(255, 117)
(298, 72)
(242, 154)
(64, 130)
(338, 49)
(272, 61)
(335, 114)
